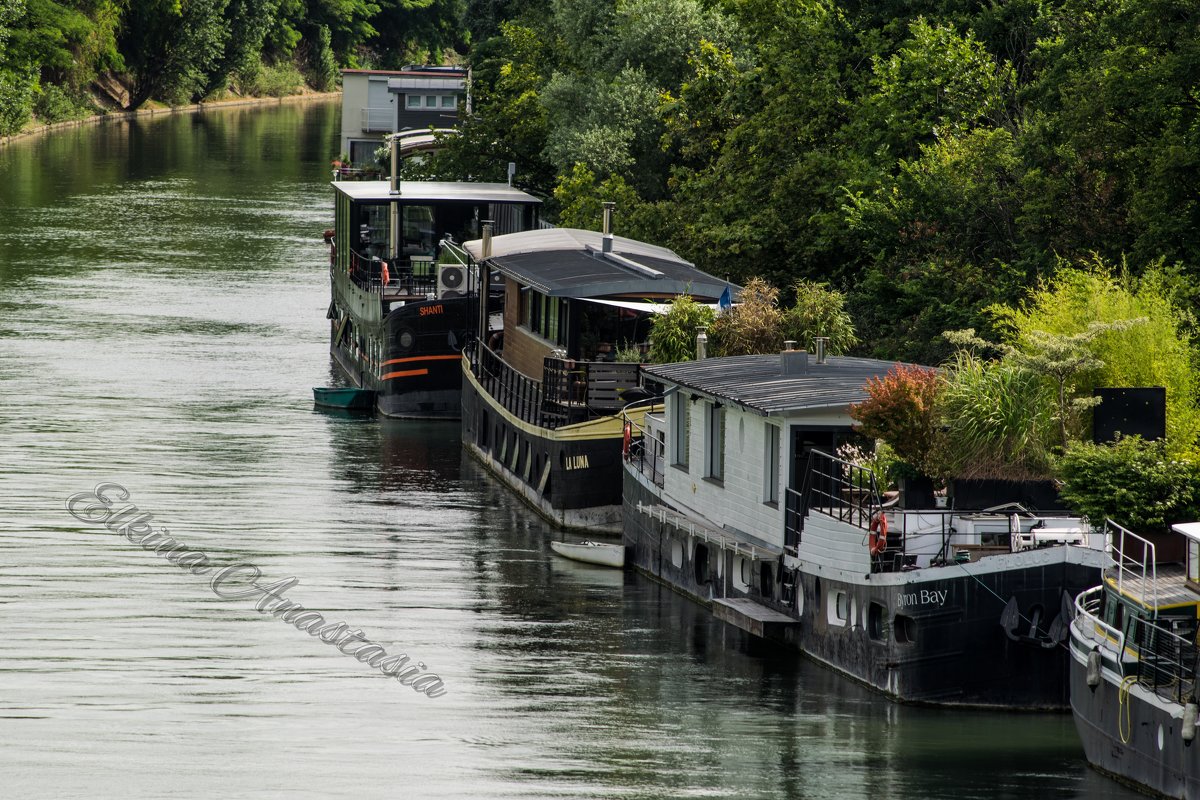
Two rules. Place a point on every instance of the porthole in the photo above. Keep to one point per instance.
(905, 628)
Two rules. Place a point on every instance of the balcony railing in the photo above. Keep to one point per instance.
(410, 276)
(378, 119)
(569, 392)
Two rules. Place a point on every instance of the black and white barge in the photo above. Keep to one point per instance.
(543, 397)
(403, 302)
(733, 497)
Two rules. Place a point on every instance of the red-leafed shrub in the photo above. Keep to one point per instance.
(902, 410)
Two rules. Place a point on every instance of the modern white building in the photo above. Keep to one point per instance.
(376, 103)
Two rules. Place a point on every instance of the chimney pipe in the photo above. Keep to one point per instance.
(822, 343)
(789, 344)
(794, 362)
(607, 242)
(701, 345)
(485, 281)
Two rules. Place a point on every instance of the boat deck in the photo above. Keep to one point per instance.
(1168, 588)
(752, 617)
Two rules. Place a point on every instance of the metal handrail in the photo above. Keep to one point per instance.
(1130, 568)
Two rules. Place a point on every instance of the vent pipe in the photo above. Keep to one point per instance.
(512, 171)
(789, 344)
(701, 345)
(485, 283)
(394, 245)
(794, 362)
(607, 241)
(822, 343)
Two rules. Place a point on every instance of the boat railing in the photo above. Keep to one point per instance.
(1088, 607)
(1134, 562)
(645, 452)
(578, 391)
(411, 276)
(519, 394)
(835, 487)
(1166, 661)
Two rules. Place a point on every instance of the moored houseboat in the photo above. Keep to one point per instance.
(542, 397)
(1134, 662)
(734, 496)
(404, 298)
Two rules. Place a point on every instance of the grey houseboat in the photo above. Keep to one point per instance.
(542, 395)
(1134, 662)
(734, 496)
(402, 305)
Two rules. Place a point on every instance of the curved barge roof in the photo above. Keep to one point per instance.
(568, 262)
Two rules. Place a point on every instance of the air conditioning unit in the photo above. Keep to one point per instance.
(451, 281)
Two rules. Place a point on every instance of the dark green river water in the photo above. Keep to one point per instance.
(163, 289)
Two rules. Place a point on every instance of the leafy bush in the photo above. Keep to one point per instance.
(819, 311)
(673, 334)
(1153, 352)
(55, 105)
(901, 408)
(998, 419)
(16, 101)
(754, 325)
(1135, 483)
(274, 80)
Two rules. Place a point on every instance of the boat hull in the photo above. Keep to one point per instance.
(1152, 754)
(570, 475)
(604, 555)
(418, 374)
(930, 636)
(344, 399)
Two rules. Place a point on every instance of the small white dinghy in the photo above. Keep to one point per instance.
(606, 555)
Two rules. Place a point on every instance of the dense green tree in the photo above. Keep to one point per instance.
(171, 46)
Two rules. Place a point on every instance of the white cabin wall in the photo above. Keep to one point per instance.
(354, 100)
(736, 502)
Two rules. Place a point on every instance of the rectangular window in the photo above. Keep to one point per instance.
(771, 464)
(412, 101)
(680, 408)
(431, 101)
(449, 101)
(1193, 567)
(716, 442)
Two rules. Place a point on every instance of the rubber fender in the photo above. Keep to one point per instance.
(1190, 713)
(1093, 669)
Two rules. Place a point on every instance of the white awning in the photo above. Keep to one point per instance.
(632, 305)
(1188, 529)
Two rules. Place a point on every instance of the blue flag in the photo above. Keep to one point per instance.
(726, 301)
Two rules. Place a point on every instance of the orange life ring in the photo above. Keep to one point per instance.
(628, 438)
(878, 537)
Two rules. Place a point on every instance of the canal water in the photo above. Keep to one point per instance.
(163, 288)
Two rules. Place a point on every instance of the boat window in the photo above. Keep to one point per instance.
(431, 101)
(841, 607)
(905, 628)
(766, 580)
(412, 101)
(700, 564)
(715, 444)
(875, 616)
(449, 101)
(1193, 568)
(771, 464)
(676, 553)
(419, 238)
(680, 409)
(741, 573)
